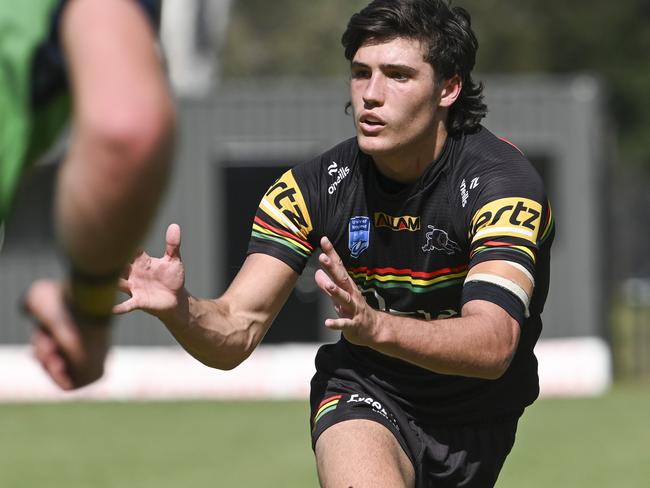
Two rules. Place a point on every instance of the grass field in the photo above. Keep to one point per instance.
(594, 443)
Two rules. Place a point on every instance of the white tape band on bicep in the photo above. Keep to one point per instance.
(505, 283)
(523, 270)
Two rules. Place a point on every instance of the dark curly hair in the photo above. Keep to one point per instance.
(450, 42)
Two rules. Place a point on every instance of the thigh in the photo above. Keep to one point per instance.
(361, 437)
(362, 453)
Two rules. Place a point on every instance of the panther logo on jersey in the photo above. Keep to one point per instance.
(438, 240)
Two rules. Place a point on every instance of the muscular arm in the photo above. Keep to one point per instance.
(223, 332)
(480, 343)
(220, 333)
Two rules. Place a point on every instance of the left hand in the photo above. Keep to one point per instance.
(71, 353)
(358, 322)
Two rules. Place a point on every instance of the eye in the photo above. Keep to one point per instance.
(360, 73)
(398, 76)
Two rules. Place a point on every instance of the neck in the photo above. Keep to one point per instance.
(407, 164)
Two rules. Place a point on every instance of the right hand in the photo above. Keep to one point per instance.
(155, 285)
(72, 353)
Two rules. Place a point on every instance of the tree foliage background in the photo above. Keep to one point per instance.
(611, 40)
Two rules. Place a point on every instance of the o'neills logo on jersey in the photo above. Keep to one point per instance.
(341, 172)
(404, 222)
(514, 217)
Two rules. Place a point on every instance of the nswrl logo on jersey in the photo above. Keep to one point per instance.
(358, 235)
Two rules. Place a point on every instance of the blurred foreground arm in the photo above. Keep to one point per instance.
(220, 333)
(115, 173)
(110, 183)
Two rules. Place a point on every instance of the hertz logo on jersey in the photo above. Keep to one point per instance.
(515, 217)
(284, 203)
(405, 222)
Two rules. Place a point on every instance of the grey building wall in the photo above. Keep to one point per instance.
(251, 125)
(562, 121)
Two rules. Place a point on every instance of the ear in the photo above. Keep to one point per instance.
(450, 91)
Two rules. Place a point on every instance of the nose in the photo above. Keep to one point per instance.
(373, 95)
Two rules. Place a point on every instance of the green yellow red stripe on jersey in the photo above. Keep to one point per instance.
(414, 281)
(266, 231)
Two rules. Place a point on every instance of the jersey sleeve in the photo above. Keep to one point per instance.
(282, 226)
(507, 218)
(509, 221)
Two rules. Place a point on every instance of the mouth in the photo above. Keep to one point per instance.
(371, 119)
(370, 123)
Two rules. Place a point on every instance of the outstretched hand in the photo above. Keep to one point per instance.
(357, 320)
(155, 285)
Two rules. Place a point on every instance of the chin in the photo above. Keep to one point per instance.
(373, 145)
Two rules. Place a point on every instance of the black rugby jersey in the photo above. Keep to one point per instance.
(409, 252)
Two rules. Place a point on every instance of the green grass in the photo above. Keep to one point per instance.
(594, 443)
(158, 445)
(583, 443)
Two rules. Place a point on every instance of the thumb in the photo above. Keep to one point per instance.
(173, 241)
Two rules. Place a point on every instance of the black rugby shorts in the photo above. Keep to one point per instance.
(470, 456)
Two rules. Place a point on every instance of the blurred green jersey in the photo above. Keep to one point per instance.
(34, 103)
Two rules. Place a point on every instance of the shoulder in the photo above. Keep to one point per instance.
(305, 196)
(313, 182)
(485, 160)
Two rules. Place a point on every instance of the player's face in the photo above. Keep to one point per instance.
(393, 95)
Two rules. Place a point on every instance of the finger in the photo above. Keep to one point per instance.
(55, 367)
(338, 324)
(50, 358)
(331, 289)
(336, 271)
(173, 241)
(123, 286)
(325, 244)
(333, 264)
(341, 299)
(125, 307)
(45, 303)
(42, 344)
(324, 282)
